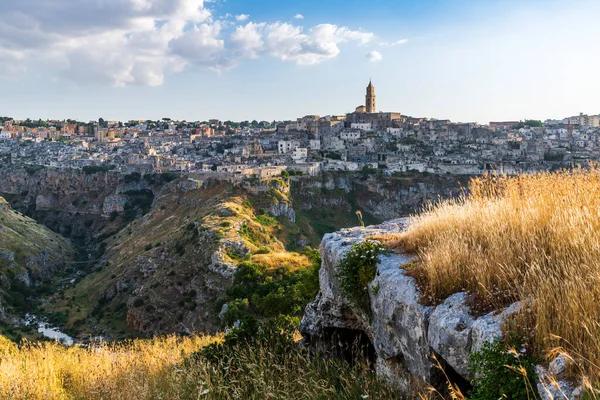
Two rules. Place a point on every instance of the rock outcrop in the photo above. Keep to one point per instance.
(403, 333)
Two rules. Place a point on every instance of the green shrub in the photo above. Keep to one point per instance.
(357, 270)
(94, 169)
(148, 247)
(138, 302)
(132, 177)
(499, 372)
(236, 310)
(266, 220)
(33, 169)
(264, 293)
(263, 250)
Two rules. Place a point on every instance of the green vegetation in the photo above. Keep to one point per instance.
(33, 169)
(133, 177)
(165, 177)
(503, 372)
(263, 292)
(95, 169)
(265, 219)
(261, 359)
(22, 241)
(531, 123)
(357, 270)
(257, 361)
(138, 200)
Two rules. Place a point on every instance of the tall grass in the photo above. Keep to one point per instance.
(532, 238)
(166, 368)
(47, 370)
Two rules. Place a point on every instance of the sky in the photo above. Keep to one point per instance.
(464, 60)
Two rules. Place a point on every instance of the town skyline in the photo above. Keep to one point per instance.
(191, 60)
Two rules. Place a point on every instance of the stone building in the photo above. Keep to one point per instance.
(370, 99)
(380, 121)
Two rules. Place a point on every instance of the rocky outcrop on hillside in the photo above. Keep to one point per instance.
(403, 333)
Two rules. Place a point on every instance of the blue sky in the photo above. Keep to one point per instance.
(466, 60)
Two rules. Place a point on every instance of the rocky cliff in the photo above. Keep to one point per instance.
(402, 332)
(29, 254)
(72, 202)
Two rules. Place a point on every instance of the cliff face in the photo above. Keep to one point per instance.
(329, 202)
(402, 333)
(29, 254)
(68, 201)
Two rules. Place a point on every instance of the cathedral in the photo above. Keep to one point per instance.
(368, 113)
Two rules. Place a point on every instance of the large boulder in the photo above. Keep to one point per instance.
(404, 334)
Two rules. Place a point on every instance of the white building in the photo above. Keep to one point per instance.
(362, 126)
(300, 153)
(4, 135)
(287, 146)
(315, 144)
(350, 134)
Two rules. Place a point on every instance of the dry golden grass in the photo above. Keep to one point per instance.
(533, 238)
(51, 371)
(163, 369)
(291, 261)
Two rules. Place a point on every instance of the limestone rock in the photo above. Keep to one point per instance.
(283, 210)
(450, 332)
(114, 203)
(399, 322)
(404, 333)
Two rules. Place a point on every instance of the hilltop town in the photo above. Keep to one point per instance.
(365, 139)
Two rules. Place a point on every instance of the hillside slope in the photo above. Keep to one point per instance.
(172, 270)
(29, 254)
(164, 272)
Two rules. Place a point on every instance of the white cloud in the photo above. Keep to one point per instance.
(248, 40)
(392, 44)
(201, 45)
(374, 56)
(299, 16)
(140, 42)
(290, 43)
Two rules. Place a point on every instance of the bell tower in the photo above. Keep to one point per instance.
(370, 101)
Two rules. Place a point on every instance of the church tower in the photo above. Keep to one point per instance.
(370, 102)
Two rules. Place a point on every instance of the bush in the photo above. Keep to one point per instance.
(133, 177)
(266, 293)
(357, 270)
(503, 372)
(138, 302)
(262, 357)
(94, 169)
(266, 220)
(33, 169)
